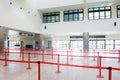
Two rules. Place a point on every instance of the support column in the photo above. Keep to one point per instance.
(38, 41)
(3, 38)
(86, 43)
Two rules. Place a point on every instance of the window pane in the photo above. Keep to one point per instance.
(51, 17)
(107, 14)
(96, 15)
(102, 15)
(76, 17)
(118, 7)
(102, 8)
(90, 15)
(118, 13)
(96, 9)
(91, 9)
(44, 19)
(70, 17)
(66, 17)
(57, 18)
(81, 16)
(107, 7)
(73, 15)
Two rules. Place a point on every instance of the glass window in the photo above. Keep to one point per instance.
(107, 14)
(51, 17)
(117, 44)
(109, 44)
(99, 13)
(96, 15)
(92, 44)
(102, 15)
(119, 14)
(76, 17)
(70, 17)
(91, 16)
(73, 15)
(118, 11)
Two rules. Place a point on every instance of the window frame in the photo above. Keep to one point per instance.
(118, 9)
(99, 10)
(72, 13)
(51, 17)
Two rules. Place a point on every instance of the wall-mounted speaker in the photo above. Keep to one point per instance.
(115, 23)
(45, 27)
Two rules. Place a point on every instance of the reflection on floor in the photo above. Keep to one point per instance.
(17, 71)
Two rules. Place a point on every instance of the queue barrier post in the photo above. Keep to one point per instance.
(67, 57)
(98, 59)
(94, 55)
(109, 73)
(58, 66)
(71, 54)
(43, 55)
(52, 53)
(8, 51)
(38, 70)
(118, 56)
(29, 62)
(6, 64)
(22, 53)
(34, 52)
(100, 69)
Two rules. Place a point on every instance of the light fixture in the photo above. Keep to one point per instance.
(45, 27)
(115, 23)
(10, 3)
(21, 8)
(28, 12)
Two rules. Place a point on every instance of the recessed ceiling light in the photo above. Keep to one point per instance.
(110, 4)
(28, 12)
(10, 3)
(21, 8)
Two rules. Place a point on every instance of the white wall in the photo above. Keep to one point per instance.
(12, 17)
(82, 26)
(105, 25)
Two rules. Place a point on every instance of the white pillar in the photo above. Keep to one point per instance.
(86, 43)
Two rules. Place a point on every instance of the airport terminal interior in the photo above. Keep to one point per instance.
(59, 39)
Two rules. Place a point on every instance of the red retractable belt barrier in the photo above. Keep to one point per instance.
(29, 62)
(119, 56)
(67, 56)
(109, 73)
(6, 64)
(39, 70)
(71, 54)
(43, 55)
(58, 66)
(100, 67)
(94, 55)
(52, 53)
(22, 53)
(34, 52)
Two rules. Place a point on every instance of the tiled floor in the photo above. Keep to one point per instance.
(17, 71)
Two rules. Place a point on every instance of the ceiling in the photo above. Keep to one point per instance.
(45, 4)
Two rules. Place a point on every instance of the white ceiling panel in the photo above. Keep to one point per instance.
(91, 1)
(41, 4)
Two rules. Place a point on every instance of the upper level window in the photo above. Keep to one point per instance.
(51, 17)
(73, 15)
(118, 11)
(99, 13)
